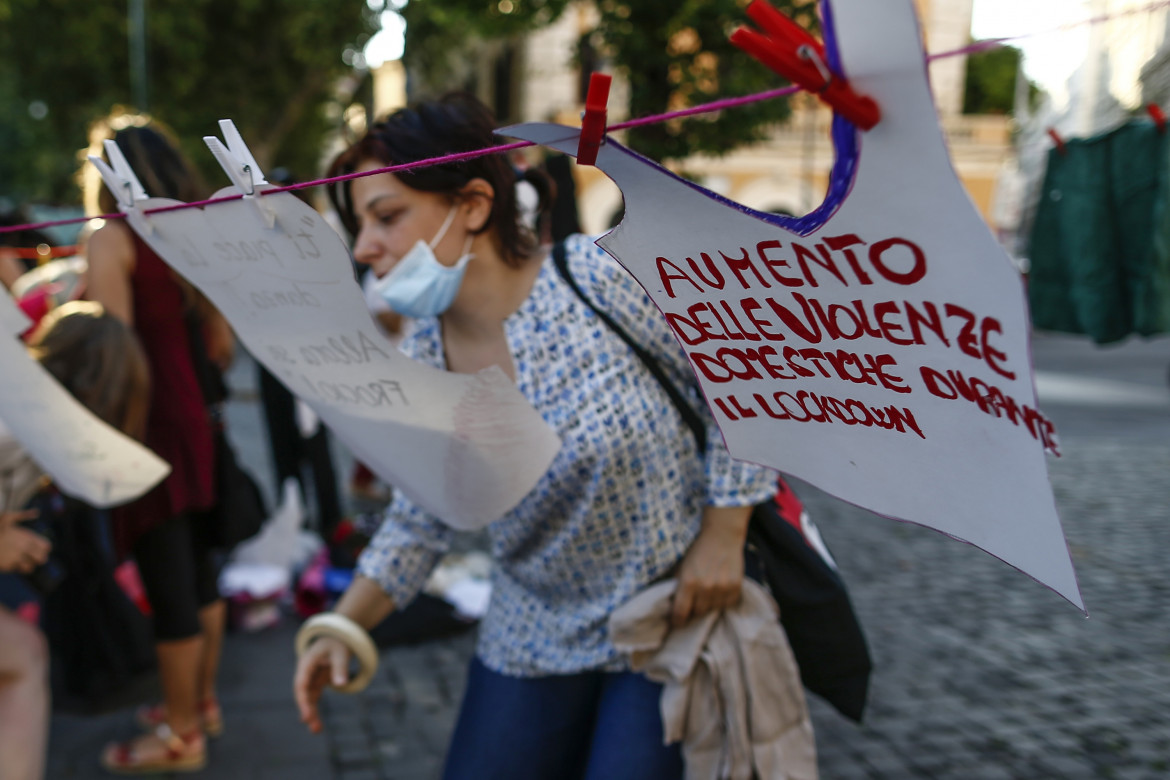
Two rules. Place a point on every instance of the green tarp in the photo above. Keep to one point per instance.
(1099, 249)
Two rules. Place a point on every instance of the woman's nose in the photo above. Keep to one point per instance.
(365, 248)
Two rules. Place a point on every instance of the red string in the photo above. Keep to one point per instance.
(704, 108)
(34, 252)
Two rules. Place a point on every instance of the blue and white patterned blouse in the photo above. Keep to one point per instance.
(623, 498)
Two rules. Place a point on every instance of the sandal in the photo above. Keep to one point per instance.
(149, 717)
(161, 751)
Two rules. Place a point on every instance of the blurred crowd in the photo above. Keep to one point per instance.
(637, 530)
(146, 353)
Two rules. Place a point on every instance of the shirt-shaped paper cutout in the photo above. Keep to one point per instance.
(877, 348)
(85, 457)
(467, 448)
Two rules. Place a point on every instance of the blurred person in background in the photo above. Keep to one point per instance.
(628, 500)
(160, 529)
(24, 661)
(39, 276)
(16, 247)
(98, 360)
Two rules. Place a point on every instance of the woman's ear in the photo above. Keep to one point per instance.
(478, 197)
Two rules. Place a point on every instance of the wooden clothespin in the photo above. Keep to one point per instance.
(1056, 139)
(594, 119)
(1158, 116)
(241, 167)
(789, 50)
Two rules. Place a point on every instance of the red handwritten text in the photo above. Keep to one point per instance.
(730, 363)
(897, 260)
(954, 385)
(808, 319)
(804, 406)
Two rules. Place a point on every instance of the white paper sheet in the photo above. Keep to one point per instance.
(85, 457)
(883, 356)
(466, 448)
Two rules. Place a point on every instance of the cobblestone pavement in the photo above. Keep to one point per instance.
(980, 671)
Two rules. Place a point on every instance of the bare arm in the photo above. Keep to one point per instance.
(220, 340)
(110, 255)
(326, 661)
(365, 603)
(11, 269)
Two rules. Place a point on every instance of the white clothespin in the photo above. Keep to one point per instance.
(241, 167)
(120, 179)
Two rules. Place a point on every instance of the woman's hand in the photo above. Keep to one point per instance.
(21, 550)
(324, 662)
(711, 573)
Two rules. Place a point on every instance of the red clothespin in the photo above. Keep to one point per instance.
(593, 120)
(791, 51)
(1157, 115)
(1056, 139)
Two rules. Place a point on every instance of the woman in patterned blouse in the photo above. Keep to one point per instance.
(627, 501)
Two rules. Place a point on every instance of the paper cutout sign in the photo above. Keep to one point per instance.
(85, 457)
(877, 348)
(12, 319)
(465, 448)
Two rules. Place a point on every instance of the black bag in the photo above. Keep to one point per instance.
(815, 609)
(102, 647)
(239, 512)
(823, 630)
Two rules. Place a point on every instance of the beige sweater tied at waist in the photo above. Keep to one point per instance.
(732, 692)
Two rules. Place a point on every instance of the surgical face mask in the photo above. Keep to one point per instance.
(421, 286)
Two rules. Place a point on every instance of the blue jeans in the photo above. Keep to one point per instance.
(587, 726)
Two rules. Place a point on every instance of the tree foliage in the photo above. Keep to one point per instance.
(674, 54)
(444, 39)
(991, 81)
(272, 66)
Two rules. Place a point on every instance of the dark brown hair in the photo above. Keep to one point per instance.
(98, 359)
(154, 155)
(456, 122)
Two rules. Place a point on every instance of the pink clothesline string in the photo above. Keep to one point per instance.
(704, 108)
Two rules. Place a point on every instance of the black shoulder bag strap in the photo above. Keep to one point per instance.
(684, 408)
